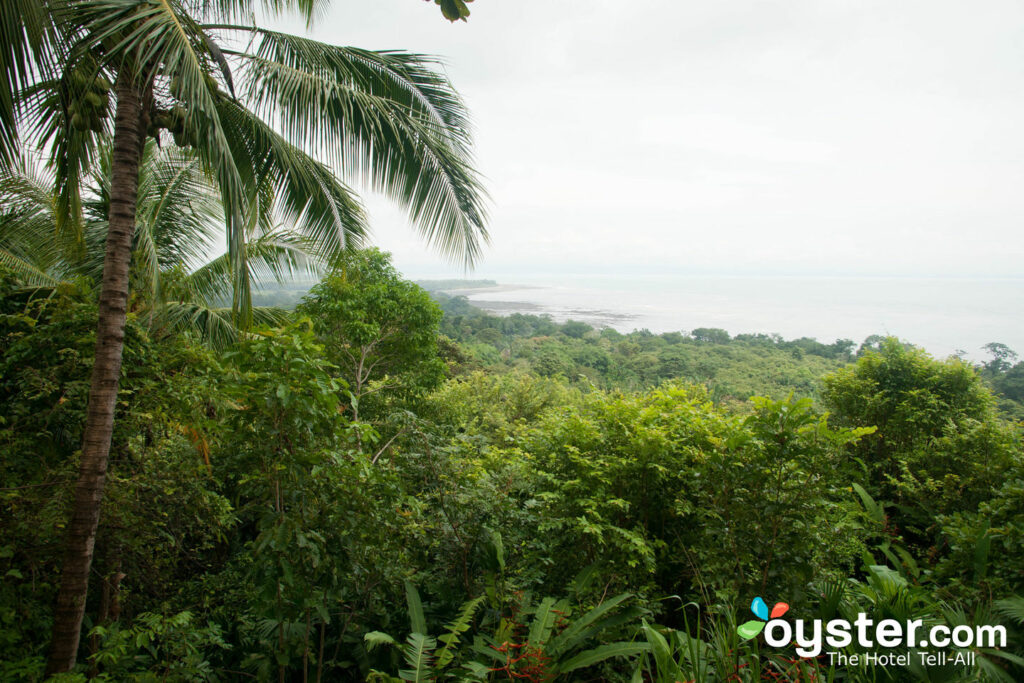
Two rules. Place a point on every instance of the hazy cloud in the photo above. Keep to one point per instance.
(735, 136)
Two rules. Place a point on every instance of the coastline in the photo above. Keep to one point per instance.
(487, 289)
(945, 317)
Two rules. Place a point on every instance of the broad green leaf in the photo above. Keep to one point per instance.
(603, 652)
(418, 622)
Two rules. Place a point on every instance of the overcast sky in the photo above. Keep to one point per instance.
(728, 136)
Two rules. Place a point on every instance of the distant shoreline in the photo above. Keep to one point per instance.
(946, 317)
(456, 288)
(493, 289)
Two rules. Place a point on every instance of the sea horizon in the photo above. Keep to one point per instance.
(945, 315)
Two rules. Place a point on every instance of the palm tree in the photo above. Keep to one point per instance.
(389, 118)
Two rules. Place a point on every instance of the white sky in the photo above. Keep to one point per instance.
(727, 136)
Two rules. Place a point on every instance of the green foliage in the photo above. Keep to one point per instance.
(939, 448)
(157, 648)
(617, 482)
(492, 405)
(709, 649)
(163, 514)
(1002, 357)
(1006, 378)
(712, 652)
(424, 662)
(549, 646)
(885, 593)
(1011, 383)
(378, 329)
(771, 516)
(733, 369)
(251, 525)
(710, 335)
(290, 452)
(986, 546)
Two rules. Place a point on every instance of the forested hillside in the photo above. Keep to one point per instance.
(733, 368)
(374, 488)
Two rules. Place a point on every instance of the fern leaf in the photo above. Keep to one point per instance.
(418, 650)
(454, 630)
(543, 622)
(1012, 608)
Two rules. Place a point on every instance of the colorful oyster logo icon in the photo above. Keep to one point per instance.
(750, 629)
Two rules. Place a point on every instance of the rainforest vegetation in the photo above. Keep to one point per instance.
(372, 488)
(359, 481)
(732, 367)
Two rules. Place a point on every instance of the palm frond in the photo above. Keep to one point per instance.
(28, 239)
(210, 325)
(308, 194)
(26, 34)
(244, 9)
(178, 215)
(26, 271)
(72, 151)
(1012, 607)
(273, 256)
(179, 204)
(391, 119)
(388, 118)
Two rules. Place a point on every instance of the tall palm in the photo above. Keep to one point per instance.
(390, 118)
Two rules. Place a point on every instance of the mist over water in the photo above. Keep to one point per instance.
(943, 315)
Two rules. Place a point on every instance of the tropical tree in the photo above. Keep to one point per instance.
(380, 330)
(1002, 357)
(939, 448)
(389, 118)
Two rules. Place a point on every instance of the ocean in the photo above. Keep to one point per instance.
(943, 315)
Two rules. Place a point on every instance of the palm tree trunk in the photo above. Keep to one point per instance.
(106, 372)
